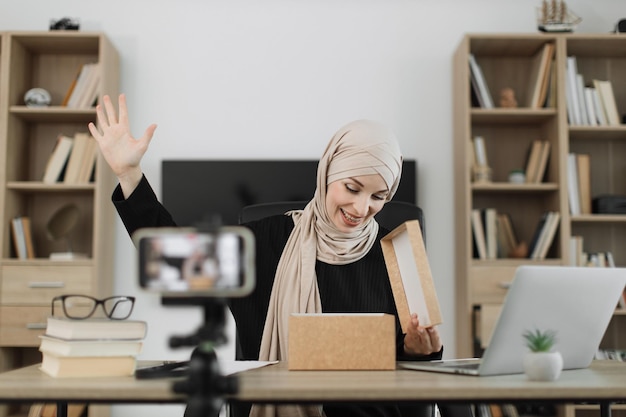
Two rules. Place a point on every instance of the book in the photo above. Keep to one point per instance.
(506, 235)
(583, 169)
(607, 98)
(491, 232)
(480, 152)
(81, 85)
(19, 240)
(63, 347)
(70, 89)
(90, 92)
(88, 165)
(540, 71)
(535, 241)
(478, 231)
(95, 329)
(28, 237)
(533, 160)
(548, 233)
(480, 82)
(572, 184)
(573, 106)
(598, 108)
(542, 163)
(55, 166)
(582, 104)
(590, 106)
(86, 366)
(75, 160)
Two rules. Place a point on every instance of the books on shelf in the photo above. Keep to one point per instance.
(607, 99)
(583, 170)
(81, 160)
(95, 329)
(491, 232)
(22, 237)
(55, 167)
(544, 235)
(480, 84)
(537, 161)
(507, 239)
(83, 91)
(579, 183)
(540, 76)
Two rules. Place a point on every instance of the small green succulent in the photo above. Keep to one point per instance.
(539, 341)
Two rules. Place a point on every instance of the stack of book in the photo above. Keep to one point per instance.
(92, 347)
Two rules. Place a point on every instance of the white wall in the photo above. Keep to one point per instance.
(275, 79)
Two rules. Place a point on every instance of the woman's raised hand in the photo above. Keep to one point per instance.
(120, 149)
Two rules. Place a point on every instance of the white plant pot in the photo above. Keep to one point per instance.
(543, 366)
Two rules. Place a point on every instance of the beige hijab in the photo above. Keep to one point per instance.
(360, 148)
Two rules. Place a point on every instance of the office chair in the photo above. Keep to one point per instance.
(393, 214)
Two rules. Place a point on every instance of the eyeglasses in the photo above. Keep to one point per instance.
(81, 307)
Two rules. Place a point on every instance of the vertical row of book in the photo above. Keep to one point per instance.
(83, 91)
(494, 236)
(72, 160)
(589, 102)
(579, 183)
(541, 87)
(22, 237)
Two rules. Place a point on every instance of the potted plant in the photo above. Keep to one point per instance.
(541, 363)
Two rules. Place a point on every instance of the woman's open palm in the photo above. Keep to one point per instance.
(122, 152)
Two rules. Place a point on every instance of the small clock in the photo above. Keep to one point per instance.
(37, 97)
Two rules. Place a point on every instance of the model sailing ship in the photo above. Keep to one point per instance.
(554, 16)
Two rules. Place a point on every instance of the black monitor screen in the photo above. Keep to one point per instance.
(194, 190)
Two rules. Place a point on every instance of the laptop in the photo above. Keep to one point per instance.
(576, 302)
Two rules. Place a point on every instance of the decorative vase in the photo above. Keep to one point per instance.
(543, 366)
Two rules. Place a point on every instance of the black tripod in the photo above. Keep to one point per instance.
(205, 385)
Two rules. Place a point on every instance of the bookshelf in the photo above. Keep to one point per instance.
(508, 61)
(48, 60)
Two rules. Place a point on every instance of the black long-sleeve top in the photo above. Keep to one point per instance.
(359, 287)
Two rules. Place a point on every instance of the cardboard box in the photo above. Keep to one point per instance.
(409, 272)
(330, 341)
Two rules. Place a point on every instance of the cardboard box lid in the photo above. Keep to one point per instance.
(410, 276)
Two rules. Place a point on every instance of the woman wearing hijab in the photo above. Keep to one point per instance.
(324, 258)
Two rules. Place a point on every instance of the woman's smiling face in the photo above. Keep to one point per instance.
(350, 202)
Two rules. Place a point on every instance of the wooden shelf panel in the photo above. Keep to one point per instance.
(508, 116)
(513, 188)
(57, 114)
(38, 186)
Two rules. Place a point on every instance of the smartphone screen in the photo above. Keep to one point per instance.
(184, 262)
